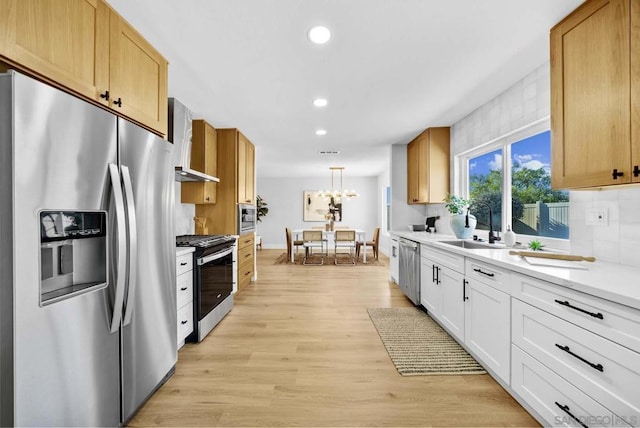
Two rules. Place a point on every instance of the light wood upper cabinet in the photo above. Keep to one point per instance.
(137, 76)
(236, 171)
(66, 41)
(87, 48)
(428, 166)
(246, 170)
(204, 158)
(595, 81)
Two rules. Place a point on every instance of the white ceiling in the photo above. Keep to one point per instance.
(391, 69)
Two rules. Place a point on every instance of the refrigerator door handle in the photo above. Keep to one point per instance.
(133, 244)
(122, 248)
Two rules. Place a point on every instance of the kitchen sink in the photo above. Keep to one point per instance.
(472, 245)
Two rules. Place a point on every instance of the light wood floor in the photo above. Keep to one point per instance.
(299, 349)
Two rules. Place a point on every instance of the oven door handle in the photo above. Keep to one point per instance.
(214, 256)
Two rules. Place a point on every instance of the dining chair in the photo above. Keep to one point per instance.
(312, 239)
(297, 243)
(345, 239)
(371, 244)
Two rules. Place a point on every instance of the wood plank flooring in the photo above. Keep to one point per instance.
(299, 349)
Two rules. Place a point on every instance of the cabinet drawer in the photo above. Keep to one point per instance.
(245, 254)
(247, 240)
(607, 372)
(608, 319)
(184, 292)
(488, 274)
(185, 321)
(245, 272)
(444, 258)
(184, 263)
(546, 392)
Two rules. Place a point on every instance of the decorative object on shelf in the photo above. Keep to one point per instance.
(337, 194)
(262, 209)
(535, 245)
(461, 221)
(509, 237)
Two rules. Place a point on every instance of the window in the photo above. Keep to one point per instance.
(511, 178)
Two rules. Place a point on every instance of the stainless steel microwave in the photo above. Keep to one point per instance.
(247, 217)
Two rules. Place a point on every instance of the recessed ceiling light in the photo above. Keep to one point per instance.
(320, 102)
(319, 34)
(321, 132)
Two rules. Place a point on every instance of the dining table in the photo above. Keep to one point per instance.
(361, 236)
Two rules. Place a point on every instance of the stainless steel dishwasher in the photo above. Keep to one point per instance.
(409, 276)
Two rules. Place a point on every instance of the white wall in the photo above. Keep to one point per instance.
(285, 202)
(526, 101)
(402, 214)
(383, 181)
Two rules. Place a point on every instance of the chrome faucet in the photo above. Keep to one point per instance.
(492, 238)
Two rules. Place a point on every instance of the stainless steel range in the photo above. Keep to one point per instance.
(213, 280)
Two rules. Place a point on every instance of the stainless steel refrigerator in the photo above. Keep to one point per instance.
(87, 260)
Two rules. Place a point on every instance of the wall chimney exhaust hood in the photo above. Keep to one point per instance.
(180, 129)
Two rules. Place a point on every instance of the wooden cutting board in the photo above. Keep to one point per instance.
(543, 255)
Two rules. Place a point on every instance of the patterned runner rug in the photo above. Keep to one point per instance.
(417, 345)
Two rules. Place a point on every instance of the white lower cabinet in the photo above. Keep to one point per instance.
(553, 398)
(570, 358)
(394, 260)
(604, 370)
(441, 290)
(184, 295)
(451, 285)
(488, 326)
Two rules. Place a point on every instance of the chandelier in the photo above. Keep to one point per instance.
(337, 194)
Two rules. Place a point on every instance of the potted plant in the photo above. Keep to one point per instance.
(461, 221)
(261, 208)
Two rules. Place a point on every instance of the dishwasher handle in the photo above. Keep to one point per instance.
(409, 244)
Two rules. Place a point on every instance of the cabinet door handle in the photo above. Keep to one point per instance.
(464, 290)
(183, 322)
(105, 95)
(183, 263)
(636, 171)
(615, 174)
(183, 288)
(438, 275)
(569, 305)
(568, 412)
(483, 272)
(118, 102)
(433, 273)
(568, 351)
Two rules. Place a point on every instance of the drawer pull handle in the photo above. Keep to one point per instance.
(183, 264)
(569, 305)
(567, 411)
(183, 322)
(183, 288)
(568, 351)
(484, 273)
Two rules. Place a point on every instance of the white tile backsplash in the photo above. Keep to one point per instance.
(184, 213)
(523, 103)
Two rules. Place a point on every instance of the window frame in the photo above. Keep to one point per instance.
(461, 177)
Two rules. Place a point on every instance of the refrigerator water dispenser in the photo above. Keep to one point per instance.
(73, 253)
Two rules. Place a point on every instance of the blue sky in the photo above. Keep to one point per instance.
(533, 153)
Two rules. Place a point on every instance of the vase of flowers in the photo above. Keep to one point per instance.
(461, 222)
(330, 217)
